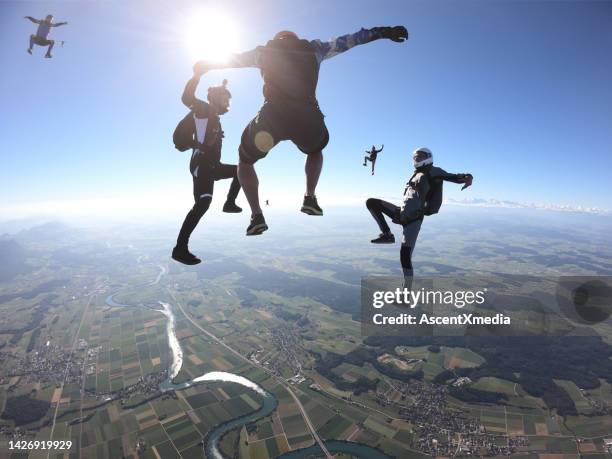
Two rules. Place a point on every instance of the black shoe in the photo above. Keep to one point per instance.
(48, 56)
(29, 51)
(384, 238)
(310, 206)
(183, 255)
(257, 226)
(231, 208)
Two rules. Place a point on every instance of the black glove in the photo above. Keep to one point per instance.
(397, 34)
(468, 178)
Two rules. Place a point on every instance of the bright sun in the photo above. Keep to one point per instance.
(210, 35)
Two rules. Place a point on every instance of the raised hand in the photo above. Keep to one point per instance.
(200, 68)
(397, 34)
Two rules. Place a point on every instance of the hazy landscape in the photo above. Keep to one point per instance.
(86, 348)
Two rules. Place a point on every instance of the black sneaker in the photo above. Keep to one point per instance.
(48, 56)
(183, 255)
(257, 225)
(231, 208)
(29, 51)
(310, 206)
(384, 238)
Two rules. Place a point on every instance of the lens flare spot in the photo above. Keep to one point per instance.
(264, 141)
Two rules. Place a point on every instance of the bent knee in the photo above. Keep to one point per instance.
(371, 203)
(203, 203)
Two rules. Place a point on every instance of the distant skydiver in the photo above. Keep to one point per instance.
(371, 156)
(267, 203)
(206, 166)
(290, 70)
(422, 196)
(40, 38)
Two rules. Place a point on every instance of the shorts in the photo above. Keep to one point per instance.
(40, 41)
(206, 174)
(301, 123)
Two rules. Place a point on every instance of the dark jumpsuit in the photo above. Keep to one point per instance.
(412, 211)
(290, 70)
(372, 156)
(205, 165)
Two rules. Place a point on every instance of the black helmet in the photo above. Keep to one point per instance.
(214, 92)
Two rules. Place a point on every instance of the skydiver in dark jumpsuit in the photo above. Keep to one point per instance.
(44, 28)
(205, 165)
(422, 196)
(371, 156)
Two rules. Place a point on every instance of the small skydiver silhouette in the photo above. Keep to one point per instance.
(206, 166)
(40, 38)
(290, 70)
(422, 197)
(267, 203)
(371, 156)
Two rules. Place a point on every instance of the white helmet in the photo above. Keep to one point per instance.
(422, 157)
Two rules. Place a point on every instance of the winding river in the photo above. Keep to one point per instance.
(269, 401)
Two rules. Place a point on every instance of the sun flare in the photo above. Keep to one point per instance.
(211, 35)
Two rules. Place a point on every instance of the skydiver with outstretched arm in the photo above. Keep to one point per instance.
(40, 38)
(205, 165)
(422, 197)
(290, 70)
(371, 156)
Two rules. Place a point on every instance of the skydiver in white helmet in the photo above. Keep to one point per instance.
(422, 197)
(40, 38)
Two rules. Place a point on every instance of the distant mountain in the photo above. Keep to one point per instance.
(50, 231)
(8, 228)
(526, 205)
(12, 260)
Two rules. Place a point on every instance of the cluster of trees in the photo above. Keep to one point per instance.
(365, 354)
(301, 320)
(388, 369)
(537, 360)
(471, 395)
(24, 410)
(37, 315)
(33, 338)
(444, 376)
(325, 366)
(358, 357)
(553, 395)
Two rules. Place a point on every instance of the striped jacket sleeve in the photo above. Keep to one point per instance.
(328, 49)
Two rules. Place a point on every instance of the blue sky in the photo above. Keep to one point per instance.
(518, 93)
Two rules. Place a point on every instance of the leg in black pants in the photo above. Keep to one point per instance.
(203, 187)
(204, 177)
(192, 219)
(379, 208)
(226, 171)
(406, 260)
(409, 239)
